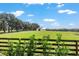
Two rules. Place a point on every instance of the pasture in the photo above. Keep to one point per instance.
(40, 34)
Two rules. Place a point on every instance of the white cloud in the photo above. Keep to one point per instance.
(67, 11)
(71, 24)
(38, 1)
(49, 20)
(55, 24)
(18, 13)
(30, 15)
(27, 5)
(60, 5)
(33, 3)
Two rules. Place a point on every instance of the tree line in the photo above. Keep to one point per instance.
(73, 30)
(8, 23)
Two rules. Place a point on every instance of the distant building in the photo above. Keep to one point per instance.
(38, 29)
(43, 29)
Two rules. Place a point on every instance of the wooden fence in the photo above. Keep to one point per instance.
(71, 44)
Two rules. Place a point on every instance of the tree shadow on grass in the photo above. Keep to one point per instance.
(9, 32)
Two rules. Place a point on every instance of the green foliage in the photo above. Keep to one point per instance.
(58, 41)
(61, 50)
(31, 46)
(20, 49)
(45, 45)
(11, 51)
(17, 50)
(9, 22)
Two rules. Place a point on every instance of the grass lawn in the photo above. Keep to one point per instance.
(40, 34)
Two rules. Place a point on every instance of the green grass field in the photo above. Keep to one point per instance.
(40, 34)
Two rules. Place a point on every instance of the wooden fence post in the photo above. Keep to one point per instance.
(76, 48)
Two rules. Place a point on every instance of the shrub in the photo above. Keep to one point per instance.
(20, 49)
(11, 51)
(31, 46)
(61, 50)
(17, 50)
(45, 45)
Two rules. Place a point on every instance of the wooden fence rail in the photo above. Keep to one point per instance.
(71, 44)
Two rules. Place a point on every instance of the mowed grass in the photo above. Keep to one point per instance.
(40, 34)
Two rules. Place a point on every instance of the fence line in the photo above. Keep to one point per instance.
(71, 44)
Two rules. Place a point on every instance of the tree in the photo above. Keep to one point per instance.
(10, 22)
(4, 26)
(26, 26)
(18, 25)
(8, 18)
(34, 26)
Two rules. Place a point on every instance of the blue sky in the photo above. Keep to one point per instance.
(52, 15)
